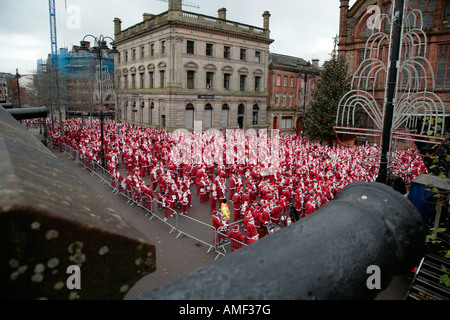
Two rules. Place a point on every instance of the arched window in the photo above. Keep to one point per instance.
(255, 114)
(142, 112)
(241, 109)
(190, 116)
(225, 115)
(150, 113)
(208, 116)
(241, 114)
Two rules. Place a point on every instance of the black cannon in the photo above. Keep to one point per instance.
(28, 113)
(331, 254)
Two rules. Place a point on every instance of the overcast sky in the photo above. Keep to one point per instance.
(300, 28)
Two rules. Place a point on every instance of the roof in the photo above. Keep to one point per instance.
(287, 60)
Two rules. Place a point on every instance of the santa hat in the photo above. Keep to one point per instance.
(235, 228)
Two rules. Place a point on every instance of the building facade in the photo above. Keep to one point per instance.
(356, 26)
(291, 81)
(185, 70)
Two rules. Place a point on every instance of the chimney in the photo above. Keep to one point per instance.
(147, 16)
(223, 14)
(266, 16)
(315, 62)
(117, 26)
(343, 20)
(175, 5)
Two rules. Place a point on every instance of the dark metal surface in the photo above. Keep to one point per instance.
(323, 256)
(28, 113)
(49, 220)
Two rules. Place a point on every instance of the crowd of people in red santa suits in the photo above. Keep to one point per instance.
(309, 174)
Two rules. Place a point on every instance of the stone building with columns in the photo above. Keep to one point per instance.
(180, 69)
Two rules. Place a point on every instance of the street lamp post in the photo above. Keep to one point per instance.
(100, 48)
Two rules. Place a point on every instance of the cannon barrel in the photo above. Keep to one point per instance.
(327, 255)
(28, 113)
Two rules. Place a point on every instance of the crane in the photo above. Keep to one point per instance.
(52, 12)
(186, 3)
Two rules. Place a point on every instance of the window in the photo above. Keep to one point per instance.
(427, 8)
(163, 45)
(209, 49)
(285, 81)
(141, 80)
(243, 54)
(162, 79)
(258, 56)
(284, 100)
(277, 99)
(151, 76)
(208, 116)
(141, 112)
(190, 79)
(133, 54)
(227, 52)
(443, 68)
(292, 82)
(209, 80)
(150, 113)
(142, 52)
(242, 82)
(152, 50)
(225, 115)
(133, 81)
(286, 122)
(257, 83)
(125, 81)
(255, 114)
(126, 56)
(278, 80)
(226, 81)
(189, 119)
(190, 47)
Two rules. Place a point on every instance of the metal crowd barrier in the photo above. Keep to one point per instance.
(182, 224)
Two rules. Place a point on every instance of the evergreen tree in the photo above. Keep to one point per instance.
(319, 119)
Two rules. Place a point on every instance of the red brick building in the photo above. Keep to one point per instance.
(291, 81)
(355, 28)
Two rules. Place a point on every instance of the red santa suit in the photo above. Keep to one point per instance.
(275, 214)
(147, 195)
(232, 187)
(202, 185)
(216, 224)
(214, 198)
(184, 201)
(251, 234)
(266, 220)
(246, 198)
(309, 208)
(237, 239)
(237, 202)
